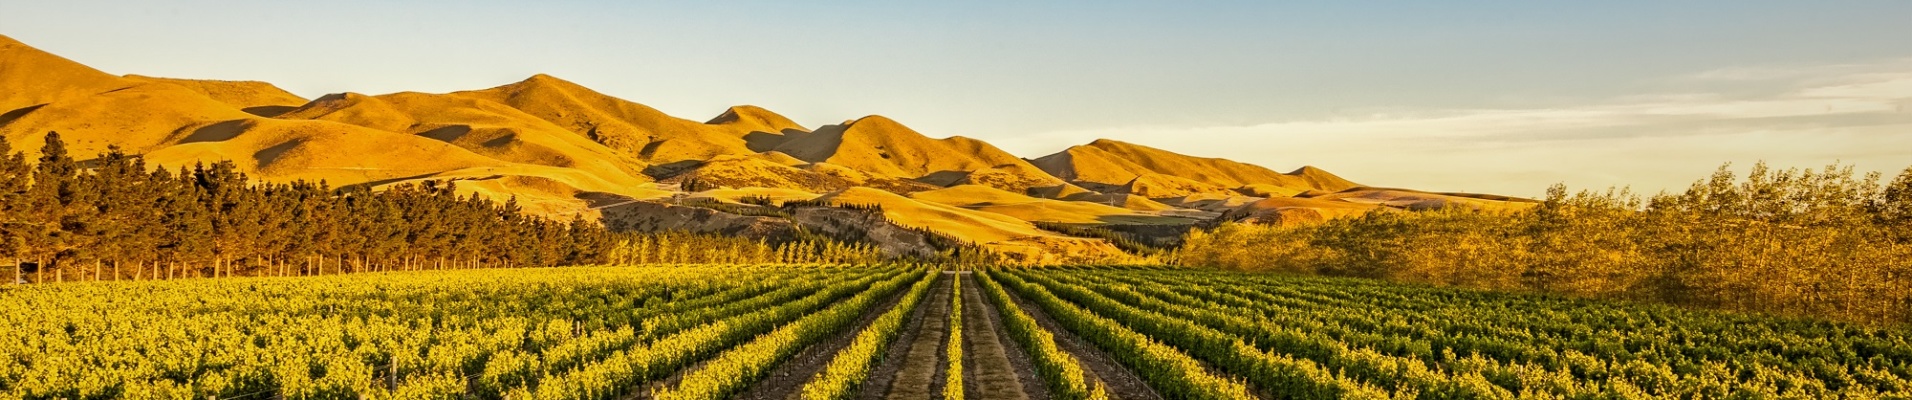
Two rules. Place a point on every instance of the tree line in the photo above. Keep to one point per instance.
(1799, 242)
(114, 217)
(689, 248)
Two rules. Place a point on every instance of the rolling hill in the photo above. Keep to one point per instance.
(885, 148)
(562, 149)
(1110, 163)
(253, 97)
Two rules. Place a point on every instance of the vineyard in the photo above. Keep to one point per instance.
(902, 332)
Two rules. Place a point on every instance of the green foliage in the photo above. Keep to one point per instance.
(116, 218)
(573, 333)
(1062, 371)
(953, 352)
(1307, 337)
(692, 248)
(1167, 369)
(735, 368)
(851, 366)
(1821, 243)
(746, 209)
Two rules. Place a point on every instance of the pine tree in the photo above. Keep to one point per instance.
(15, 230)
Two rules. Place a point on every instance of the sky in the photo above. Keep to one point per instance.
(1483, 96)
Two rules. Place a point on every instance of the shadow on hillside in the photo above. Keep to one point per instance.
(16, 114)
(760, 141)
(447, 133)
(267, 155)
(217, 132)
(943, 178)
(269, 111)
(669, 170)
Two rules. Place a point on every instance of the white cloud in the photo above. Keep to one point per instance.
(1856, 114)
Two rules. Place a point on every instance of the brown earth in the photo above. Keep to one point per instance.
(994, 365)
(918, 373)
(876, 385)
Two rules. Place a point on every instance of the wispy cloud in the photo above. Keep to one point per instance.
(1806, 116)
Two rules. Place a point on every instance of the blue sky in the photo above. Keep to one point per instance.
(1503, 97)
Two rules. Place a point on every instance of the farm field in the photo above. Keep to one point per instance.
(896, 332)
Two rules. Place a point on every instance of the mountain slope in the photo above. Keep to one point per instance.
(993, 200)
(563, 149)
(634, 129)
(997, 232)
(884, 148)
(487, 128)
(138, 119)
(747, 118)
(253, 97)
(1108, 163)
(30, 77)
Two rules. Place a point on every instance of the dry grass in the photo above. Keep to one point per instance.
(883, 148)
(988, 199)
(1115, 163)
(258, 98)
(34, 77)
(626, 126)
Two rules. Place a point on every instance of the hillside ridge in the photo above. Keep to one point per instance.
(562, 149)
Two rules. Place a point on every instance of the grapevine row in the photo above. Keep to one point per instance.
(1167, 369)
(851, 366)
(612, 377)
(1058, 368)
(737, 367)
(953, 353)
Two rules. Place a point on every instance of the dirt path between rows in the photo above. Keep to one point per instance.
(787, 379)
(1121, 382)
(913, 367)
(994, 365)
(884, 372)
(644, 391)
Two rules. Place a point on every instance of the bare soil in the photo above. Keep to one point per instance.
(877, 384)
(913, 367)
(994, 365)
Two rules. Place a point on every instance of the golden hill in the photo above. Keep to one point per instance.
(967, 225)
(757, 171)
(884, 148)
(345, 154)
(997, 232)
(634, 129)
(253, 97)
(1296, 211)
(1213, 202)
(748, 119)
(1109, 163)
(989, 199)
(1415, 200)
(138, 119)
(30, 77)
(173, 123)
(1129, 201)
(487, 128)
(562, 148)
(1161, 186)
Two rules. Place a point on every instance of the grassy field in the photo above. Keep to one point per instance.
(892, 332)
